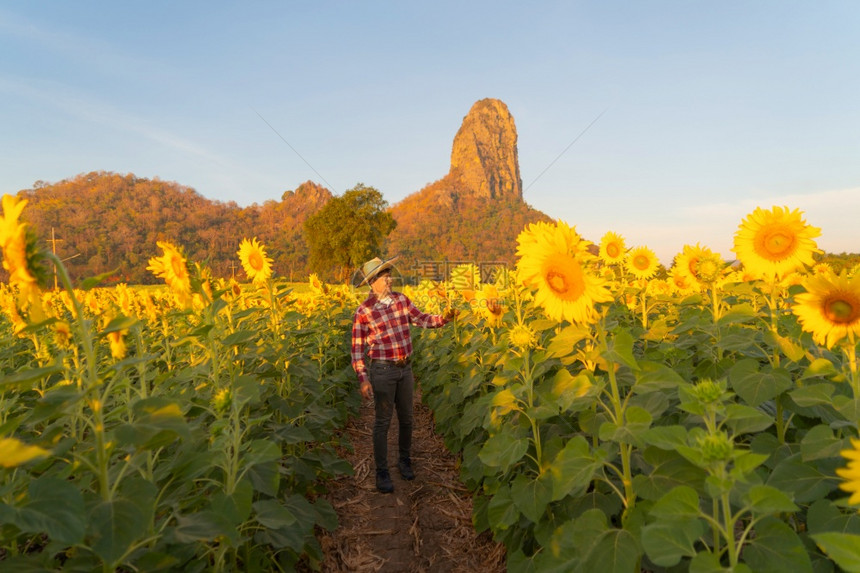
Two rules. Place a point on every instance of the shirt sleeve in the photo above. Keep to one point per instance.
(421, 319)
(359, 341)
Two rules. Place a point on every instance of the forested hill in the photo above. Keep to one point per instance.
(105, 221)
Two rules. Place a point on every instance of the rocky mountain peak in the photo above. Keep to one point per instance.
(484, 155)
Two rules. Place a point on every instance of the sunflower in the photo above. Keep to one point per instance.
(612, 248)
(253, 257)
(554, 263)
(531, 234)
(20, 253)
(681, 282)
(490, 304)
(642, 262)
(851, 473)
(522, 337)
(14, 452)
(698, 266)
(775, 242)
(830, 307)
(117, 344)
(171, 267)
(316, 284)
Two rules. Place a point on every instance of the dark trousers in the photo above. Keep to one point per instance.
(392, 390)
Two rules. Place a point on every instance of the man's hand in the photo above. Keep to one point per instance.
(451, 313)
(366, 390)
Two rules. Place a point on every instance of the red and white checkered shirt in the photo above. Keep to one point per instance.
(382, 330)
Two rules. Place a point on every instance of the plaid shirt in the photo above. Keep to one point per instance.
(383, 330)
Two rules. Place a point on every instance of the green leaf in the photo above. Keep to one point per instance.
(666, 437)
(261, 452)
(501, 511)
(653, 376)
(205, 526)
(843, 548)
(824, 516)
(272, 513)
(560, 554)
(562, 344)
(531, 496)
(776, 548)
(157, 422)
(620, 349)
(668, 469)
(764, 499)
(237, 506)
(117, 324)
(848, 408)
(820, 367)
(92, 282)
(805, 481)
(707, 562)
(573, 468)
(746, 419)
(115, 525)
(756, 386)
(816, 394)
(503, 450)
(681, 502)
(32, 375)
(616, 551)
(240, 337)
(738, 314)
(54, 507)
(667, 542)
(819, 442)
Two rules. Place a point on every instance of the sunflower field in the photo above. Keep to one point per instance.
(607, 420)
(183, 428)
(612, 421)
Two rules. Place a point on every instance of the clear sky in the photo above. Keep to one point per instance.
(709, 109)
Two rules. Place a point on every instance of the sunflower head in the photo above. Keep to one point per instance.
(642, 262)
(522, 337)
(697, 267)
(772, 243)
(830, 307)
(555, 262)
(21, 254)
(490, 304)
(172, 267)
(612, 249)
(253, 257)
(851, 473)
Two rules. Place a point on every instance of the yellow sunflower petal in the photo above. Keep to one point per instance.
(642, 262)
(830, 307)
(775, 242)
(253, 257)
(612, 249)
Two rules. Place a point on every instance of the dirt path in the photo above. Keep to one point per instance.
(424, 526)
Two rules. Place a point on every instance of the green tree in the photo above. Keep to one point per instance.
(347, 231)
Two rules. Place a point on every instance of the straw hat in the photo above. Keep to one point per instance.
(373, 267)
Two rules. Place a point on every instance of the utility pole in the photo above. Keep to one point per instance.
(54, 251)
(54, 242)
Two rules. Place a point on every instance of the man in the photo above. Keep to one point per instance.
(380, 329)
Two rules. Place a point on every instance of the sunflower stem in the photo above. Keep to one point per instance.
(625, 450)
(851, 352)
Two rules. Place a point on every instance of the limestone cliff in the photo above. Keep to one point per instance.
(484, 156)
(475, 212)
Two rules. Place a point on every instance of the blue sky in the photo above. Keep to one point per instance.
(709, 109)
